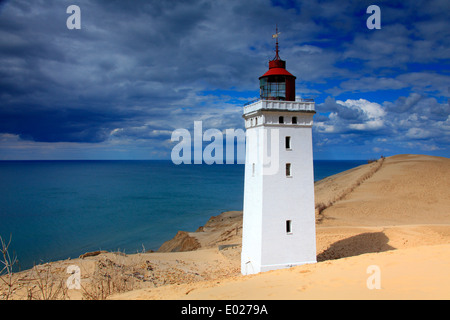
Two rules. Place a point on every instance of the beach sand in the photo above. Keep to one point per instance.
(393, 214)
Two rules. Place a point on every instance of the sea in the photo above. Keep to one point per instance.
(54, 210)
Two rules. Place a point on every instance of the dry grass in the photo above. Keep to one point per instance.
(45, 284)
(110, 276)
(6, 274)
(39, 283)
(104, 275)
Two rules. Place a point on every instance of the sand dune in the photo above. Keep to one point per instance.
(415, 273)
(393, 213)
(407, 189)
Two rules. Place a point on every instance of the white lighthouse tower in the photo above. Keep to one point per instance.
(279, 219)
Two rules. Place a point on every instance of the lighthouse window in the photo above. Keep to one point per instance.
(273, 88)
(281, 119)
(253, 170)
(288, 170)
(294, 120)
(289, 226)
(288, 143)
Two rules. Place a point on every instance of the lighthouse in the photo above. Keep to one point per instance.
(279, 215)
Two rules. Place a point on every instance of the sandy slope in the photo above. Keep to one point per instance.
(394, 214)
(407, 189)
(415, 273)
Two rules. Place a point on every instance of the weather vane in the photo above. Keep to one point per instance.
(275, 36)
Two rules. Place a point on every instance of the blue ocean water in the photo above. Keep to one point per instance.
(60, 209)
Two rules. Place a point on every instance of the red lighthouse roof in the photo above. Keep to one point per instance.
(277, 67)
(277, 72)
(277, 83)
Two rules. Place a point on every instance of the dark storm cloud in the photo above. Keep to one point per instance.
(54, 125)
(142, 59)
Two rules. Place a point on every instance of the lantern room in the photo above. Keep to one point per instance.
(277, 83)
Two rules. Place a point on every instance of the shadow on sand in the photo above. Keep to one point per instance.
(356, 245)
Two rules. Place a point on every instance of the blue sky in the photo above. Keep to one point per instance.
(137, 70)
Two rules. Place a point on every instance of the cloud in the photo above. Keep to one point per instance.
(138, 70)
(417, 105)
(413, 124)
(350, 115)
(418, 133)
(129, 64)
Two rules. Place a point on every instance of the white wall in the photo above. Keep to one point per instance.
(253, 193)
(290, 198)
(271, 198)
